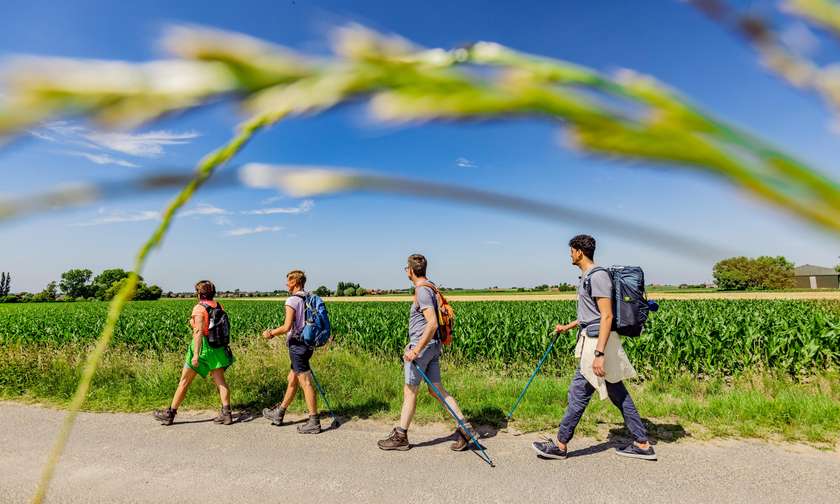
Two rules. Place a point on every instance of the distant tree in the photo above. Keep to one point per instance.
(74, 282)
(543, 287)
(361, 291)
(761, 273)
(103, 281)
(349, 291)
(143, 292)
(147, 292)
(5, 284)
(837, 268)
(322, 291)
(50, 293)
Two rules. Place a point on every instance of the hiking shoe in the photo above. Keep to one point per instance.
(396, 441)
(463, 439)
(275, 414)
(547, 449)
(633, 451)
(312, 426)
(165, 417)
(225, 417)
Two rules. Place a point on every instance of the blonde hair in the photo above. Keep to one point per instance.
(298, 277)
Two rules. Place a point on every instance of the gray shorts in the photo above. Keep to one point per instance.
(428, 361)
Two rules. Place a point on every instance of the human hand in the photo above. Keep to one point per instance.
(409, 355)
(561, 328)
(195, 362)
(598, 367)
(267, 334)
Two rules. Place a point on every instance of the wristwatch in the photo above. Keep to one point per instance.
(599, 354)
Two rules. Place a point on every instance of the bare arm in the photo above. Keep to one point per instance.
(198, 332)
(288, 323)
(605, 308)
(561, 328)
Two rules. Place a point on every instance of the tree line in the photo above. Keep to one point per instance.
(80, 284)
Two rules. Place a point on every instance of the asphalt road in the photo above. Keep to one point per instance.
(130, 458)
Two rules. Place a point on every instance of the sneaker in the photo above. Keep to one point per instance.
(275, 414)
(312, 426)
(225, 417)
(463, 440)
(165, 417)
(396, 441)
(547, 449)
(633, 451)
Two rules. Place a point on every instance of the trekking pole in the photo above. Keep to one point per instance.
(458, 420)
(336, 423)
(539, 365)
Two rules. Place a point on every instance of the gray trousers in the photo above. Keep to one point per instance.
(580, 392)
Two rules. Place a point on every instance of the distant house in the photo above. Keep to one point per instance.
(809, 276)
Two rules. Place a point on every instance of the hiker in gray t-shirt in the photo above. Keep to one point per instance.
(603, 362)
(423, 352)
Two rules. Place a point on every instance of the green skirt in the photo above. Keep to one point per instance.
(209, 359)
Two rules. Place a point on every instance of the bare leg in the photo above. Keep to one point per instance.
(449, 400)
(309, 394)
(291, 390)
(409, 405)
(219, 379)
(187, 376)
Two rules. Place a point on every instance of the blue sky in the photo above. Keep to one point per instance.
(229, 236)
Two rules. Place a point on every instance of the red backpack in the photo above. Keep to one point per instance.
(445, 313)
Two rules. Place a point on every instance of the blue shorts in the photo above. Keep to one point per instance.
(299, 355)
(428, 361)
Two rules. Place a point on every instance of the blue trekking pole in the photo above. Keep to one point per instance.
(335, 423)
(460, 422)
(539, 365)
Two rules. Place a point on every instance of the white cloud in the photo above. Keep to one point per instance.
(150, 144)
(304, 207)
(103, 159)
(205, 209)
(255, 230)
(120, 217)
(465, 163)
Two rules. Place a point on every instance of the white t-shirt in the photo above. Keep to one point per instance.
(299, 305)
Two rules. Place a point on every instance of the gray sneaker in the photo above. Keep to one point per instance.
(633, 451)
(275, 414)
(312, 426)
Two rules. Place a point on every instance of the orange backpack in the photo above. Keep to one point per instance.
(446, 315)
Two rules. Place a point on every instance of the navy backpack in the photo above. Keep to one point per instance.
(630, 304)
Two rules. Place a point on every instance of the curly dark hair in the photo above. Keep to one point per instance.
(585, 244)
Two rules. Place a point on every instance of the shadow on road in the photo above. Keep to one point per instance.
(619, 436)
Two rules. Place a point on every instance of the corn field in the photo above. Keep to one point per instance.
(702, 337)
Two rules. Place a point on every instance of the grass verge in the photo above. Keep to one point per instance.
(753, 405)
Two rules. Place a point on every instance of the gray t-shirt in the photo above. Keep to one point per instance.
(587, 308)
(416, 321)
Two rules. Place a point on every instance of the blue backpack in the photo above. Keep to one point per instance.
(630, 304)
(316, 331)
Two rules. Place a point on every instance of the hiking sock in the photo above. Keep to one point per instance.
(402, 431)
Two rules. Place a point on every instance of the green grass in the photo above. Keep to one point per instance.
(759, 405)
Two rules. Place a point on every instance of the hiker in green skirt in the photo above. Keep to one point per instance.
(202, 357)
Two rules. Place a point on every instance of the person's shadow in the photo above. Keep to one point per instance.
(620, 436)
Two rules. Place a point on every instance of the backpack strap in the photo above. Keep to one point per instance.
(587, 285)
(436, 292)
